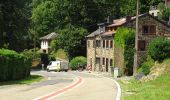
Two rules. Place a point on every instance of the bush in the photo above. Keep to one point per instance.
(34, 56)
(13, 66)
(77, 62)
(31, 54)
(146, 66)
(60, 53)
(159, 49)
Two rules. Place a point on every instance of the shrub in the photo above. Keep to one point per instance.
(31, 54)
(34, 56)
(159, 49)
(77, 62)
(60, 53)
(146, 66)
(13, 66)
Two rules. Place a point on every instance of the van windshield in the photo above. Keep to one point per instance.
(49, 63)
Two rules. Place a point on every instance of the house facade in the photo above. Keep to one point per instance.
(101, 53)
(45, 42)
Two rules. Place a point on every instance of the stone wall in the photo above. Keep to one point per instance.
(105, 54)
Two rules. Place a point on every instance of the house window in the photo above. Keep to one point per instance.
(152, 29)
(88, 43)
(111, 62)
(141, 45)
(94, 44)
(103, 61)
(103, 43)
(97, 60)
(107, 44)
(145, 29)
(102, 28)
(98, 43)
(111, 44)
(149, 30)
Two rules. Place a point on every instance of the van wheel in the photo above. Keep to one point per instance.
(48, 70)
(66, 70)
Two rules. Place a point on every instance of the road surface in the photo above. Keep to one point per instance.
(62, 86)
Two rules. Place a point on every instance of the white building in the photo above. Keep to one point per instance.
(154, 11)
(45, 42)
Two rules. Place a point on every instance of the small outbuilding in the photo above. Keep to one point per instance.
(45, 42)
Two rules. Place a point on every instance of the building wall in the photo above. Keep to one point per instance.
(161, 31)
(45, 46)
(116, 54)
(100, 58)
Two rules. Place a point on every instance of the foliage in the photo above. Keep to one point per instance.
(147, 65)
(34, 56)
(44, 59)
(14, 23)
(31, 54)
(13, 65)
(149, 89)
(77, 62)
(51, 58)
(53, 45)
(125, 39)
(72, 40)
(61, 54)
(164, 12)
(159, 49)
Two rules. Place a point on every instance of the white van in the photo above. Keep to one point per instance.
(58, 66)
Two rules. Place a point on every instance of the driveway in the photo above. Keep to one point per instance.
(62, 86)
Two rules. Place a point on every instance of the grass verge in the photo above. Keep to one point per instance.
(158, 89)
(28, 80)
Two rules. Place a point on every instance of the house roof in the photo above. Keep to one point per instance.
(121, 22)
(49, 36)
(94, 33)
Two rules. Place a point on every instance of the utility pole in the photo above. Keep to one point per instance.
(136, 39)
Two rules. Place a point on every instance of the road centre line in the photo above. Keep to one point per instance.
(49, 96)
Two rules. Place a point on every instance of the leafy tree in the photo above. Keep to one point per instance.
(164, 12)
(14, 22)
(72, 40)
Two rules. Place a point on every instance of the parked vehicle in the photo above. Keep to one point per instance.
(58, 66)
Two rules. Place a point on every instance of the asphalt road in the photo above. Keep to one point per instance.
(62, 86)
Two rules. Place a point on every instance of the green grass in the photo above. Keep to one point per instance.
(28, 80)
(158, 89)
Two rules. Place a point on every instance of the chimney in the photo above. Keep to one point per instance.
(109, 19)
(128, 18)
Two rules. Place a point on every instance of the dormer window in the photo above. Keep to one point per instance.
(102, 28)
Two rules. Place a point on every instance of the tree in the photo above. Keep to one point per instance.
(14, 22)
(164, 12)
(72, 40)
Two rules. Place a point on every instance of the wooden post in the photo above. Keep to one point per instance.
(136, 39)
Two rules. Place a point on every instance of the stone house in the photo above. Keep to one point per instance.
(45, 42)
(101, 52)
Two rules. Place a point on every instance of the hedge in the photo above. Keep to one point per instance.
(13, 66)
(77, 62)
